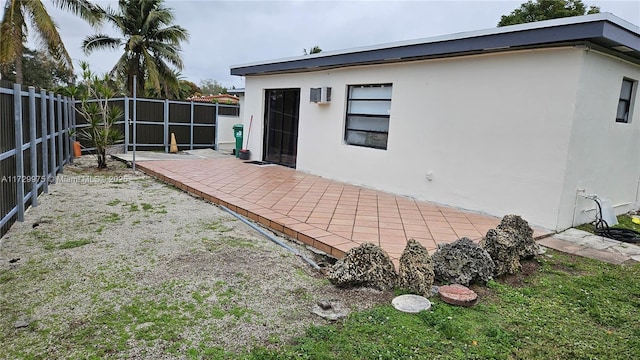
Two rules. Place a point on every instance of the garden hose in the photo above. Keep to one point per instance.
(603, 229)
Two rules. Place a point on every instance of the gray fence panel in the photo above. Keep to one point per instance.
(25, 124)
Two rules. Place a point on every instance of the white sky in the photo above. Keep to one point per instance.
(225, 33)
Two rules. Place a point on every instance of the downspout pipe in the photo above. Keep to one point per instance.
(271, 237)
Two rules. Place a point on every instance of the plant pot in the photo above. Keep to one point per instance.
(245, 154)
(77, 149)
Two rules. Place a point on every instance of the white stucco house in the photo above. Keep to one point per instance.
(524, 119)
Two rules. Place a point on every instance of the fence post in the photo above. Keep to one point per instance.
(65, 134)
(59, 135)
(126, 124)
(215, 128)
(17, 106)
(45, 141)
(72, 124)
(52, 137)
(33, 154)
(191, 128)
(166, 125)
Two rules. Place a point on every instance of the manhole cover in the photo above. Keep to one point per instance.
(411, 303)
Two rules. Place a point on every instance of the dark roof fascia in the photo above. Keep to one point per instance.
(601, 32)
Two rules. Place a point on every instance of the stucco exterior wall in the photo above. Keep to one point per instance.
(492, 130)
(604, 155)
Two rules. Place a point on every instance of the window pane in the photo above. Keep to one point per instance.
(369, 107)
(625, 92)
(375, 140)
(623, 110)
(356, 137)
(368, 123)
(370, 92)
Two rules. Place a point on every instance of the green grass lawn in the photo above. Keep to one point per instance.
(568, 308)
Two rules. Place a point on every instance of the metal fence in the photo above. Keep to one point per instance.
(34, 146)
(194, 124)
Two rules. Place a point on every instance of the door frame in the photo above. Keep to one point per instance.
(283, 158)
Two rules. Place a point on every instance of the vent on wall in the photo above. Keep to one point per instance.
(320, 95)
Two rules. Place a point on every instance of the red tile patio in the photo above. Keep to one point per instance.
(329, 215)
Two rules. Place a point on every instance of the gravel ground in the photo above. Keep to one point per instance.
(116, 264)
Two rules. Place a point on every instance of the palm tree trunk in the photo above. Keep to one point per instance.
(19, 57)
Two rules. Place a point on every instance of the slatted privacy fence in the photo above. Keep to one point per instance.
(194, 124)
(36, 137)
(35, 144)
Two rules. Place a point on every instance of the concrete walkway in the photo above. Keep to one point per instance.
(582, 243)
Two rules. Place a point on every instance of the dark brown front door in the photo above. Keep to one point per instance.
(281, 115)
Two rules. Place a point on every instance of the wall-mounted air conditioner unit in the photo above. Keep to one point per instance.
(321, 95)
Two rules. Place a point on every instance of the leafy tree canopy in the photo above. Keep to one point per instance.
(22, 16)
(151, 45)
(314, 50)
(212, 87)
(40, 71)
(539, 10)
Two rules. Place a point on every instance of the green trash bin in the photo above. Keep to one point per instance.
(237, 132)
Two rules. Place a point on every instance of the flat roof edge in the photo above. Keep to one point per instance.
(549, 32)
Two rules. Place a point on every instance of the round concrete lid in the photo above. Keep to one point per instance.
(411, 303)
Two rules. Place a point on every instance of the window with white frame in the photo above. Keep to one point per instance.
(625, 103)
(368, 112)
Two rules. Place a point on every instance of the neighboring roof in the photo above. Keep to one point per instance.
(603, 30)
(237, 91)
(212, 98)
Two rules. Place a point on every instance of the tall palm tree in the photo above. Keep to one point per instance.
(19, 15)
(151, 44)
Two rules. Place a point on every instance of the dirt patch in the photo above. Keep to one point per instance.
(529, 268)
(114, 263)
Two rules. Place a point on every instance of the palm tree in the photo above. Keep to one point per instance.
(151, 44)
(20, 15)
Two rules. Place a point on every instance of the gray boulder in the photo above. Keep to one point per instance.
(416, 269)
(462, 262)
(366, 265)
(505, 249)
(522, 233)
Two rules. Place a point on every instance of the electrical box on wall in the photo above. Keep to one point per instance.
(321, 95)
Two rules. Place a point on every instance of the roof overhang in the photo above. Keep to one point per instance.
(609, 33)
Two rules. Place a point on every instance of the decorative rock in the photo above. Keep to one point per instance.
(522, 232)
(21, 323)
(457, 294)
(416, 269)
(411, 303)
(504, 248)
(330, 310)
(462, 262)
(366, 265)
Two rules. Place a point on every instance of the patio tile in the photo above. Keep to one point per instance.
(335, 221)
(342, 228)
(329, 215)
(366, 223)
(365, 237)
(390, 225)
